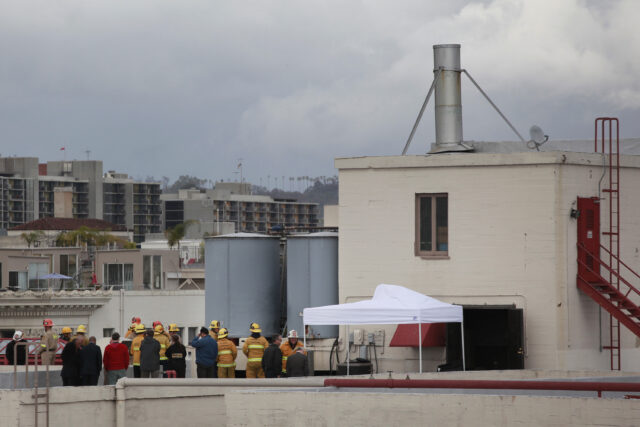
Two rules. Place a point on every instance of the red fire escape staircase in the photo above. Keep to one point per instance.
(617, 300)
(599, 266)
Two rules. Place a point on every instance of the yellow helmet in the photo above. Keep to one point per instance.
(254, 327)
(159, 328)
(173, 327)
(67, 330)
(140, 328)
(214, 324)
(81, 329)
(223, 333)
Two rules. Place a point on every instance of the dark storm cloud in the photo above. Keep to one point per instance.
(167, 88)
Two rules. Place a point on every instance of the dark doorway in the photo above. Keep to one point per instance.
(493, 339)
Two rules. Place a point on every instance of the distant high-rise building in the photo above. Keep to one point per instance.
(234, 203)
(28, 191)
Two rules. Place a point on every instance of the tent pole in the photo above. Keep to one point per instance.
(304, 336)
(420, 344)
(464, 366)
(348, 350)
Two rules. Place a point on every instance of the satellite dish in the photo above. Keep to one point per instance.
(537, 137)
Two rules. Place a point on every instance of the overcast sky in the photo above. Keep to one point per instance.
(156, 87)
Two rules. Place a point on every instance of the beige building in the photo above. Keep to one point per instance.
(492, 232)
(331, 216)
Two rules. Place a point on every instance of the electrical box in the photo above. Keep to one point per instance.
(589, 238)
(379, 337)
(358, 336)
(371, 338)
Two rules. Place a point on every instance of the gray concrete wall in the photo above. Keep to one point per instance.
(26, 167)
(135, 403)
(295, 402)
(25, 379)
(273, 408)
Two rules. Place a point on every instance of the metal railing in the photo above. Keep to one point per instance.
(595, 386)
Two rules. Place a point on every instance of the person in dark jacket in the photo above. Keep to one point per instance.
(272, 358)
(298, 364)
(21, 356)
(206, 354)
(176, 354)
(91, 361)
(149, 356)
(71, 364)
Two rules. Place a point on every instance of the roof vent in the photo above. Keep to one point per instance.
(448, 99)
(446, 84)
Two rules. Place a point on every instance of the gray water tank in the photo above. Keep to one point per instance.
(312, 278)
(242, 282)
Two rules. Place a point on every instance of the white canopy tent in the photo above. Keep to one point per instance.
(391, 304)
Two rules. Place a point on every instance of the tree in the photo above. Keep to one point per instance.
(85, 236)
(32, 237)
(186, 181)
(177, 233)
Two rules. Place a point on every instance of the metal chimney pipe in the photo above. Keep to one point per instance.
(448, 99)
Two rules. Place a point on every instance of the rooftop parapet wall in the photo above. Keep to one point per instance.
(481, 159)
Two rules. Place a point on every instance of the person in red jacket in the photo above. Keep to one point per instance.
(116, 360)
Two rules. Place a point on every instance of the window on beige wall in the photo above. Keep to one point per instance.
(432, 225)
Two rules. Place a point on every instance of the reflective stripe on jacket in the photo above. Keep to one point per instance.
(254, 348)
(288, 351)
(48, 342)
(164, 343)
(227, 353)
(135, 349)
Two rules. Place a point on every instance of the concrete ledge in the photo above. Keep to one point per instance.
(385, 409)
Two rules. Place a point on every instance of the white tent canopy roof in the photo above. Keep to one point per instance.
(391, 304)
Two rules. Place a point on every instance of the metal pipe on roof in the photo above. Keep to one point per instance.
(448, 99)
(595, 386)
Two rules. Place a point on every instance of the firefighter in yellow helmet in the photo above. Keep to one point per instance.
(131, 332)
(253, 348)
(160, 336)
(48, 343)
(66, 334)
(214, 327)
(135, 349)
(289, 348)
(81, 333)
(227, 353)
(173, 328)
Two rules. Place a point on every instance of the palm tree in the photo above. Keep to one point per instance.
(32, 237)
(177, 233)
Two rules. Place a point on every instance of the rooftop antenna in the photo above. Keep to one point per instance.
(88, 152)
(240, 167)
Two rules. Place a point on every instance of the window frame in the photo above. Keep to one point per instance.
(432, 254)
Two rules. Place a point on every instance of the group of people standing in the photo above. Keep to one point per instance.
(264, 360)
(81, 358)
(154, 351)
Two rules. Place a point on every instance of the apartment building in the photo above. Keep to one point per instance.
(16, 201)
(76, 189)
(233, 203)
(135, 205)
